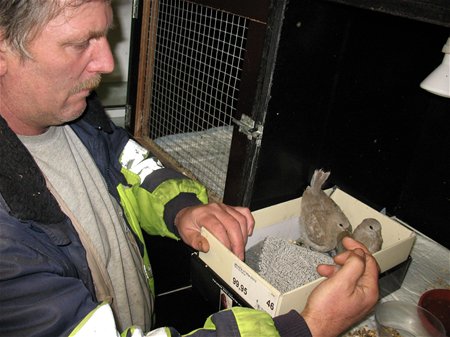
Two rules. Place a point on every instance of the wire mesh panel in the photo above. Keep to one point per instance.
(198, 57)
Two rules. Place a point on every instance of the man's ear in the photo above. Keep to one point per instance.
(3, 54)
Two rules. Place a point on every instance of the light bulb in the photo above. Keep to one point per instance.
(438, 82)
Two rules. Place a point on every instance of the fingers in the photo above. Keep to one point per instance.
(354, 266)
(350, 244)
(239, 218)
(353, 263)
(249, 220)
(230, 225)
(227, 226)
(327, 270)
(347, 260)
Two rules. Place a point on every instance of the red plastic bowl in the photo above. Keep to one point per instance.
(437, 301)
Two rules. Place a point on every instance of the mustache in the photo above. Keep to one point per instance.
(89, 84)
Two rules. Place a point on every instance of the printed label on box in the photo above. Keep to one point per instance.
(253, 292)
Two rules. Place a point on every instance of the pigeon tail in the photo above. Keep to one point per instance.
(318, 179)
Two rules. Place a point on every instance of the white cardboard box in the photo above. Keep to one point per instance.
(281, 220)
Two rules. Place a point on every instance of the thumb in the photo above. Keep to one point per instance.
(200, 243)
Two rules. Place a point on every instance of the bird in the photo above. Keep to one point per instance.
(368, 232)
(321, 219)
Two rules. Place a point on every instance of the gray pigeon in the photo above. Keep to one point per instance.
(321, 219)
(368, 232)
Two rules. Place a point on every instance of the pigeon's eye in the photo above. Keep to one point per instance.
(371, 227)
(341, 225)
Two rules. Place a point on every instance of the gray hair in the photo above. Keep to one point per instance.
(22, 20)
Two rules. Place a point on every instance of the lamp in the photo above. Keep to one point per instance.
(438, 82)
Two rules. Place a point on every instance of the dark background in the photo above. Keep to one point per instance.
(345, 97)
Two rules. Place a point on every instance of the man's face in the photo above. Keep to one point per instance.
(68, 57)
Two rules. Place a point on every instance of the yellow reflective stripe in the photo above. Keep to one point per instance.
(254, 323)
(99, 322)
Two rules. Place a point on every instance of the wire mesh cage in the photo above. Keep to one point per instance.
(197, 64)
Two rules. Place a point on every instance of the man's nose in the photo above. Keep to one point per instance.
(102, 58)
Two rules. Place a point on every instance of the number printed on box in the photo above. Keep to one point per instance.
(253, 292)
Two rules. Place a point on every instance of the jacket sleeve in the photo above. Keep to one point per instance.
(234, 322)
(155, 194)
(246, 322)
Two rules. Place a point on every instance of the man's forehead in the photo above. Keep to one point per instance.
(70, 7)
(74, 10)
(76, 3)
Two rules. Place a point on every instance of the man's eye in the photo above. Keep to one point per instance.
(82, 45)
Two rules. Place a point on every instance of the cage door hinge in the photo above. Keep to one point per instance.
(250, 128)
(135, 9)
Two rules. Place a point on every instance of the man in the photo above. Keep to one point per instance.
(76, 192)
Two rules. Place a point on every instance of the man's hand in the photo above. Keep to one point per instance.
(231, 225)
(347, 296)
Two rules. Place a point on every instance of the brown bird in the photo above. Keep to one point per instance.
(321, 219)
(368, 232)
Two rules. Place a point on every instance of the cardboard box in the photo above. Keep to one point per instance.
(281, 220)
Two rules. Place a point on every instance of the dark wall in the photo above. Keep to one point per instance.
(346, 97)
